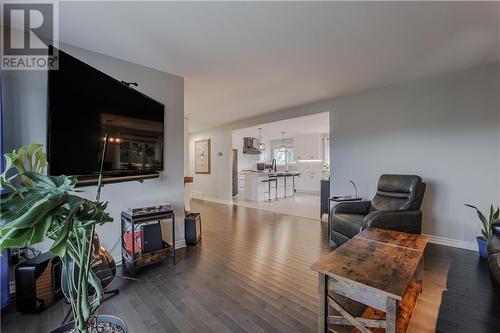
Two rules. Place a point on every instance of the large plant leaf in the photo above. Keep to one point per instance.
(4, 231)
(14, 238)
(11, 160)
(485, 235)
(31, 151)
(40, 179)
(61, 239)
(4, 182)
(40, 230)
(16, 207)
(482, 218)
(38, 211)
(19, 162)
(41, 161)
(486, 231)
(60, 243)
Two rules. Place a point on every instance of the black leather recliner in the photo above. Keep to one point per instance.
(494, 251)
(396, 206)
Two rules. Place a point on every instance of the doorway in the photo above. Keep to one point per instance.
(282, 166)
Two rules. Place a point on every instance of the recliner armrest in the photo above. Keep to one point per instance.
(406, 221)
(352, 207)
(495, 227)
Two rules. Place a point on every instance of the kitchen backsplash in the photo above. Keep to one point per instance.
(303, 166)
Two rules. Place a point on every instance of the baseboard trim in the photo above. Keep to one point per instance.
(199, 195)
(219, 201)
(472, 246)
(178, 245)
(196, 195)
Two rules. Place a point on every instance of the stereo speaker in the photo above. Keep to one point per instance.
(38, 282)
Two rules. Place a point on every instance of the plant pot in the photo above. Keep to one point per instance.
(100, 319)
(481, 243)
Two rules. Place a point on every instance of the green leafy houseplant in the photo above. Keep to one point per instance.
(486, 222)
(40, 207)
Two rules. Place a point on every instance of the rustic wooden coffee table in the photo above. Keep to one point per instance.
(380, 268)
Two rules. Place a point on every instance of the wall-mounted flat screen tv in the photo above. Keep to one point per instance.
(84, 105)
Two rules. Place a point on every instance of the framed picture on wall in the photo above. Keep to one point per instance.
(202, 156)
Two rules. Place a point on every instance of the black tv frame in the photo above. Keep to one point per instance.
(91, 179)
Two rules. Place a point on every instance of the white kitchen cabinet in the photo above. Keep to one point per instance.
(308, 147)
(309, 182)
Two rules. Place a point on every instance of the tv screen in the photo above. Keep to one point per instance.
(84, 104)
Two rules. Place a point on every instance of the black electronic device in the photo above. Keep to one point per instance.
(84, 104)
(151, 237)
(38, 282)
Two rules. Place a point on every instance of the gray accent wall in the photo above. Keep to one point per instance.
(445, 128)
(25, 121)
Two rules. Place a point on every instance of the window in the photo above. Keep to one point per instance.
(283, 156)
(138, 156)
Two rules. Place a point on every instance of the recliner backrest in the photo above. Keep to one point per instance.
(398, 192)
(420, 197)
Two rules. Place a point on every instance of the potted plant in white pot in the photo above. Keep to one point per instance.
(486, 229)
(39, 207)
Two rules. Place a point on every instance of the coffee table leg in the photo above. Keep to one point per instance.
(419, 274)
(322, 306)
(391, 315)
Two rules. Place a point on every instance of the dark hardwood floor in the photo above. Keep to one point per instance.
(251, 274)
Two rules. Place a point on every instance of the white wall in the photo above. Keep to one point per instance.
(215, 186)
(25, 121)
(445, 128)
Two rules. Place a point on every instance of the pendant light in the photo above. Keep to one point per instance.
(260, 145)
(283, 146)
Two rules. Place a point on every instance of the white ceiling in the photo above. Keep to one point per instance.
(245, 58)
(316, 123)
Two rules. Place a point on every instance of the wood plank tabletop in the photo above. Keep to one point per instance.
(386, 267)
(396, 238)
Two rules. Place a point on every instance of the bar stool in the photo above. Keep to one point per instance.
(269, 180)
(296, 174)
(284, 186)
(275, 187)
(293, 180)
(279, 175)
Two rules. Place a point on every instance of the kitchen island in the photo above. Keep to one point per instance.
(269, 185)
